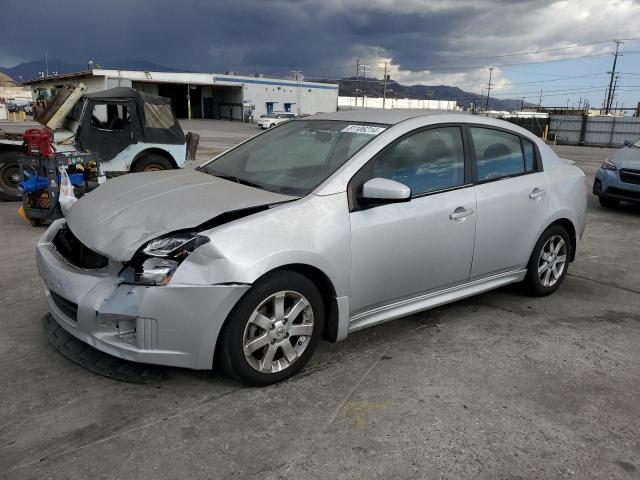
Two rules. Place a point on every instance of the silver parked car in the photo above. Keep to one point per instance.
(317, 228)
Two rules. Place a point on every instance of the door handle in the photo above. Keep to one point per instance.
(461, 212)
(537, 193)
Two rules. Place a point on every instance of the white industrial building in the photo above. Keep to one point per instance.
(344, 103)
(207, 95)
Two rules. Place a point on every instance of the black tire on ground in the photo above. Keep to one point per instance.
(231, 342)
(151, 163)
(608, 202)
(9, 176)
(272, 125)
(532, 281)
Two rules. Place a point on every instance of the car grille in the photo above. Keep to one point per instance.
(617, 192)
(630, 176)
(67, 307)
(76, 253)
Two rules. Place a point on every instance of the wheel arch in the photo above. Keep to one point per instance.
(327, 291)
(153, 151)
(571, 230)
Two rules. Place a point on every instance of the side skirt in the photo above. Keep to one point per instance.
(430, 300)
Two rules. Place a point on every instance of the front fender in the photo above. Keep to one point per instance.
(312, 231)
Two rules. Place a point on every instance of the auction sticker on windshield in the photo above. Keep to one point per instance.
(364, 129)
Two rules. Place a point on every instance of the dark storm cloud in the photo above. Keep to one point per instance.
(319, 37)
(249, 35)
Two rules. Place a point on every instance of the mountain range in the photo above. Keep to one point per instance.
(374, 88)
(30, 70)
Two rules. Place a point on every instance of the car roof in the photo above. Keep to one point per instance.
(378, 115)
(428, 117)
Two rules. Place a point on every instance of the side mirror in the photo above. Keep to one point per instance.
(384, 190)
(627, 143)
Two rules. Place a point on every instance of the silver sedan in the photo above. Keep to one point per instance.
(314, 229)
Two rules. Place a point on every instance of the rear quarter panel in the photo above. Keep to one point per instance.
(567, 194)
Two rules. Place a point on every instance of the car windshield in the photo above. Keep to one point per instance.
(294, 158)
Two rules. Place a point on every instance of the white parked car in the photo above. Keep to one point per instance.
(270, 120)
(316, 229)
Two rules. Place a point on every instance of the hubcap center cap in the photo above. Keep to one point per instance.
(279, 331)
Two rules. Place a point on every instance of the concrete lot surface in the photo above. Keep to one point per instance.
(500, 386)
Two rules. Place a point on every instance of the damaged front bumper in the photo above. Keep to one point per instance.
(174, 325)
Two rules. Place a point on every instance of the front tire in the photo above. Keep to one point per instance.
(151, 163)
(608, 202)
(273, 331)
(549, 262)
(9, 176)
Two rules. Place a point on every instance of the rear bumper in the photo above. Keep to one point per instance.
(608, 184)
(174, 325)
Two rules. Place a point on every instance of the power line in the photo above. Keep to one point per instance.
(557, 49)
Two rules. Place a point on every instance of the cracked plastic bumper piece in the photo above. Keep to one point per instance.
(173, 325)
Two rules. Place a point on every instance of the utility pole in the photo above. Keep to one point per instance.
(384, 86)
(540, 100)
(489, 89)
(613, 72)
(364, 79)
(357, 79)
(297, 75)
(613, 93)
(46, 63)
(522, 104)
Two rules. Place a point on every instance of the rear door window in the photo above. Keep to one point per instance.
(498, 154)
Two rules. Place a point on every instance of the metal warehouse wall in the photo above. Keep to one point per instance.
(596, 131)
(308, 99)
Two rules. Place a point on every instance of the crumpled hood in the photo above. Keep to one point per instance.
(117, 218)
(628, 157)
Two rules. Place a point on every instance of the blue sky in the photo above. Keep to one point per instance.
(434, 42)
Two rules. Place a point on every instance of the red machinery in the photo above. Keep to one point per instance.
(39, 142)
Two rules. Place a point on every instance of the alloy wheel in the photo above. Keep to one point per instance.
(552, 261)
(278, 332)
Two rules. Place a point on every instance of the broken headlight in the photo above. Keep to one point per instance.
(155, 271)
(175, 245)
(156, 263)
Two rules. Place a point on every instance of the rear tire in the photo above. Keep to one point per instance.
(608, 202)
(262, 344)
(9, 176)
(151, 163)
(549, 262)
